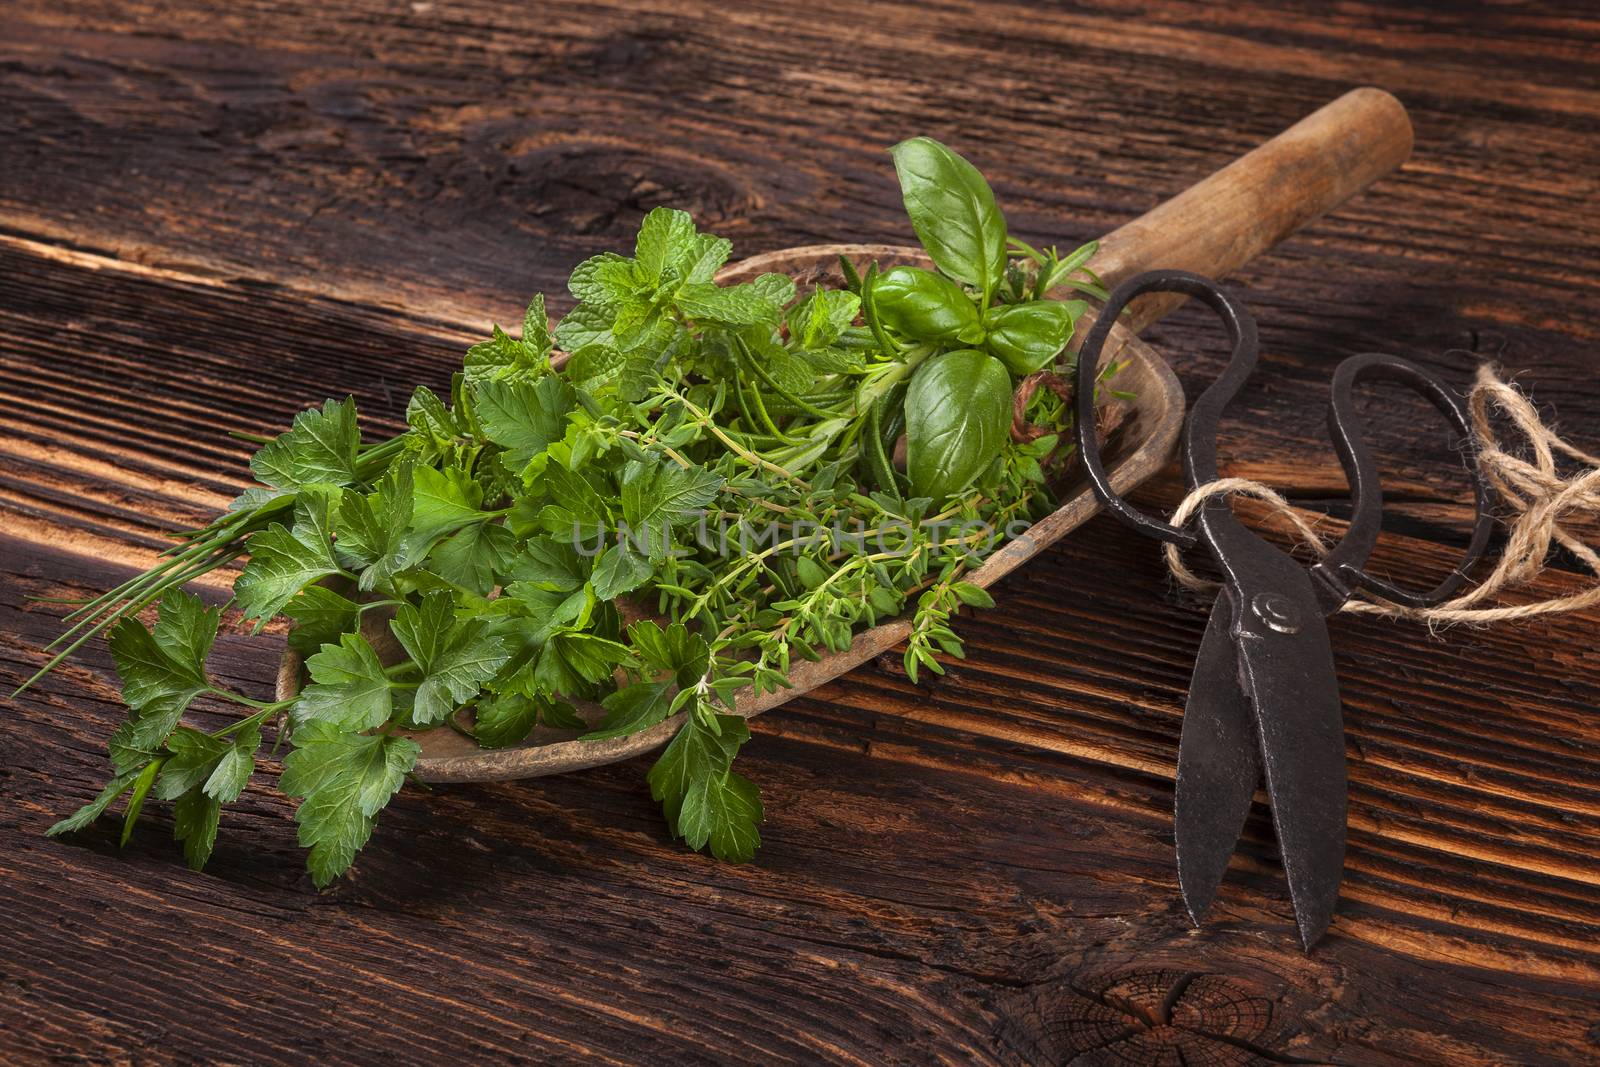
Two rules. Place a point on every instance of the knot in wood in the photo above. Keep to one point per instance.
(1142, 1016)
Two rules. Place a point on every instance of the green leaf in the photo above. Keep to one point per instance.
(579, 512)
(973, 595)
(163, 669)
(428, 415)
(708, 256)
(472, 557)
(739, 305)
(503, 719)
(536, 330)
(666, 239)
(671, 649)
(345, 780)
(524, 417)
(696, 752)
(587, 324)
(283, 562)
(550, 563)
(923, 305)
(501, 358)
(657, 495)
(194, 822)
(604, 281)
(810, 572)
(233, 770)
(141, 789)
(619, 570)
(1027, 337)
(320, 616)
(954, 213)
(456, 658)
(821, 318)
(777, 289)
(594, 361)
(320, 448)
(722, 811)
(194, 756)
(444, 501)
(632, 709)
(958, 415)
(372, 526)
(348, 689)
(96, 807)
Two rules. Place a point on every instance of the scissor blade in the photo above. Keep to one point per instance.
(1286, 666)
(1217, 768)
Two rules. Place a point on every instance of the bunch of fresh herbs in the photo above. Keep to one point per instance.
(707, 489)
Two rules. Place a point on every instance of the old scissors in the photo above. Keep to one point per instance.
(1264, 696)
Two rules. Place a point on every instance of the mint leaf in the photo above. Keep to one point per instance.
(722, 810)
(587, 324)
(739, 305)
(283, 561)
(666, 239)
(348, 689)
(345, 780)
(536, 330)
(504, 358)
(320, 448)
(604, 281)
(707, 257)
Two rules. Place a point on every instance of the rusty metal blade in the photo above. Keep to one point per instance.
(1217, 768)
(1286, 666)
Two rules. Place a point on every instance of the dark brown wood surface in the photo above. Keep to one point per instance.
(211, 216)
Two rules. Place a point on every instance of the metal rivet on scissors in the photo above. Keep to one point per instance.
(1264, 697)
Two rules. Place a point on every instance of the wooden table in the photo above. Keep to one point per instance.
(214, 215)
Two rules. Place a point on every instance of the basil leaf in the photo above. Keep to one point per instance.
(958, 411)
(954, 213)
(924, 305)
(1028, 336)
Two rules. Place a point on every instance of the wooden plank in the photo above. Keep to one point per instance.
(965, 859)
(209, 220)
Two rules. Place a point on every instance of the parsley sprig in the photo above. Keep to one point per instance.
(720, 478)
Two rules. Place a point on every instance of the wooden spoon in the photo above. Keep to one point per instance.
(1212, 228)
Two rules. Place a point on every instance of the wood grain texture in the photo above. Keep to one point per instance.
(212, 217)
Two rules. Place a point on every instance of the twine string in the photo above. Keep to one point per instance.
(1544, 507)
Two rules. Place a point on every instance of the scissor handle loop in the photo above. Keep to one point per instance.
(1342, 568)
(1200, 444)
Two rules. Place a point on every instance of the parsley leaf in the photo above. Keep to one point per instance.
(704, 800)
(349, 688)
(345, 779)
(284, 561)
(320, 448)
(524, 417)
(456, 658)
